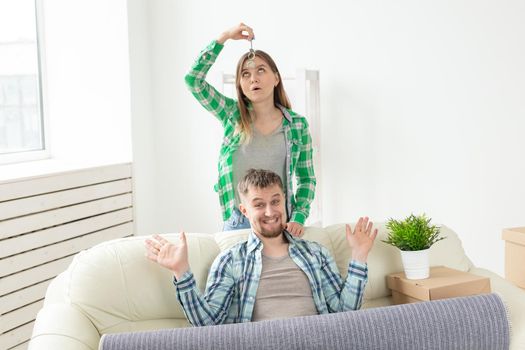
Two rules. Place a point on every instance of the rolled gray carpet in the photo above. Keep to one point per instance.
(476, 322)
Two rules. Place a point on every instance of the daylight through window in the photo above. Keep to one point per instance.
(21, 116)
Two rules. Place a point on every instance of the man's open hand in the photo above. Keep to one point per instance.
(361, 239)
(172, 256)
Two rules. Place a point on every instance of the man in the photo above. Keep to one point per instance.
(272, 274)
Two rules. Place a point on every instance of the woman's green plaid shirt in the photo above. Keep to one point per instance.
(297, 137)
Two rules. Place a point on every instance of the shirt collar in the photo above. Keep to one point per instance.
(286, 113)
(254, 243)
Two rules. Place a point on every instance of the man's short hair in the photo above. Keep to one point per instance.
(258, 178)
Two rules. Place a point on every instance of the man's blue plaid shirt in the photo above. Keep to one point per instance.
(234, 277)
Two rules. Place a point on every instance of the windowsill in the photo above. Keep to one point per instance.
(26, 170)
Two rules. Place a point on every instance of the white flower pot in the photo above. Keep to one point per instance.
(415, 264)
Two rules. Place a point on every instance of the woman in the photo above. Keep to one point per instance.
(260, 131)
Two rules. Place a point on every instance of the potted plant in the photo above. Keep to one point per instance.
(413, 236)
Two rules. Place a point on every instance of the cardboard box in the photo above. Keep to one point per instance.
(515, 255)
(443, 283)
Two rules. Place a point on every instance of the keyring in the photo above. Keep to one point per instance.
(251, 56)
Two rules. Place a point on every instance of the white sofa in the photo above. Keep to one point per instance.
(112, 287)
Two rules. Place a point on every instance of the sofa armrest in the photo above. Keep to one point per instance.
(62, 326)
(514, 298)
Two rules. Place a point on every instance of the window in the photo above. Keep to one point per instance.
(21, 106)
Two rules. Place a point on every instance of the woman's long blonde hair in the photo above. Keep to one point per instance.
(279, 95)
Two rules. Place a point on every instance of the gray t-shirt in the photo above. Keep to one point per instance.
(284, 291)
(262, 152)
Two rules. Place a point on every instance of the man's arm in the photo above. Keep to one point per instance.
(342, 295)
(200, 311)
(348, 295)
(212, 308)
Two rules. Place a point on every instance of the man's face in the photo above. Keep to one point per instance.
(265, 209)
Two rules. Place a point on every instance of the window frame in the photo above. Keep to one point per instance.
(45, 152)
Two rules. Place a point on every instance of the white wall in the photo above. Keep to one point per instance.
(422, 108)
(86, 62)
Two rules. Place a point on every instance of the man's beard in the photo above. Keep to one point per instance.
(273, 233)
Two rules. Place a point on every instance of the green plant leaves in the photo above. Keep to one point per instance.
(413, 233)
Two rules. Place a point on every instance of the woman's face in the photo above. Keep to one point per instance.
(258, 80)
